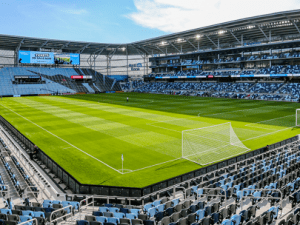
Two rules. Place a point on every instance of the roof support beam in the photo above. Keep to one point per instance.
(174, 47)
(160, 49)
(111, 54)
(44, 43)
(293, 22)
(143, 54)
(65, 45)
(81, 50)
(20, 44)
(235, 37)
(211, 41)
(144, 49)
(191, 44)
(263, 32)
(17, 51)
(98, 52)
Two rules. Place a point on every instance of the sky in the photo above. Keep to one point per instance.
(124, 21)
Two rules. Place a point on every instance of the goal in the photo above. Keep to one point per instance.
(211, 144)
(297, 117)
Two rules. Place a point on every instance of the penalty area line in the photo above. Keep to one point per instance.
(152, 165)
(62, 139)
(208, 115)
(269, 120)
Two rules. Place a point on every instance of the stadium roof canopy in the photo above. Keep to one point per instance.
(270, 28)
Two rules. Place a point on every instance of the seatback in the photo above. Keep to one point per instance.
(193, 208)
(183, 221)
(175, 217)
(224, 213)
(184, 212)
(168, 204)
(108, 214)
(231, 209)
(13, 218)
(178, 208)
(236, 219)
(130, 216)
(187, 204)
(165, 221)
(90, 218)
(158, 216)
(201, 205)
(169, 211)
(142, 217)
(215, 217)
(124, 221)
(208, 210)
(191, 218)
(3, 216)
(200, 214)
(136, 221)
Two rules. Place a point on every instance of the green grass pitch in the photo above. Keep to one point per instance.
(87, 134)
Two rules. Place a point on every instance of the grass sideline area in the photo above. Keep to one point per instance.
(87, 134)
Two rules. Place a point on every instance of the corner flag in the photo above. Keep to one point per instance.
(122, 162)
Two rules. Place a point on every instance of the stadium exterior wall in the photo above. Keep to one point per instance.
(85, 189)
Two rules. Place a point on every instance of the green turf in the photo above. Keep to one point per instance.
(146, 130)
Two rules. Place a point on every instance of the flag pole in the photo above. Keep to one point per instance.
(122, 163)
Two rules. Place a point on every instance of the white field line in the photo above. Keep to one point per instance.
(260, 127)
(164, 128)
(151, 124)
(268, 134)
(228, 112)
(244, 110)
(62, 139)
(154, 165)
(214, 149)
(217, 160)
(269, 120)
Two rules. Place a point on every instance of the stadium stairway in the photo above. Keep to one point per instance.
(36, 175)
(278, 90)
(89, 88)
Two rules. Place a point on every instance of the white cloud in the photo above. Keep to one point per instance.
(180, 15)
(67, 9)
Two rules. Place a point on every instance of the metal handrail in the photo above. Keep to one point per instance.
(1, 192)
(19, 154)
(28, 221)
(86, 205)
(219, 188)
(30, 191)
(251, 197)
(58, 210)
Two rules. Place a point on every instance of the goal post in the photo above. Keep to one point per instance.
(297, 117)
(211, 144)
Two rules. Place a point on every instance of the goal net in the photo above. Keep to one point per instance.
(297, 117)
(211, 144)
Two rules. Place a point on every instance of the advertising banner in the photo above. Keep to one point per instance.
(36, 57)
(32, 57)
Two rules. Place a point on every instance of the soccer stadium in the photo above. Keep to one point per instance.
(197, 127)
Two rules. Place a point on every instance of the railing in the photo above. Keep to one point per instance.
(262, 190)
(86, 205)
(29, 169)
(63, 214)
(28, 222)
(213, 195)
(4, 193)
